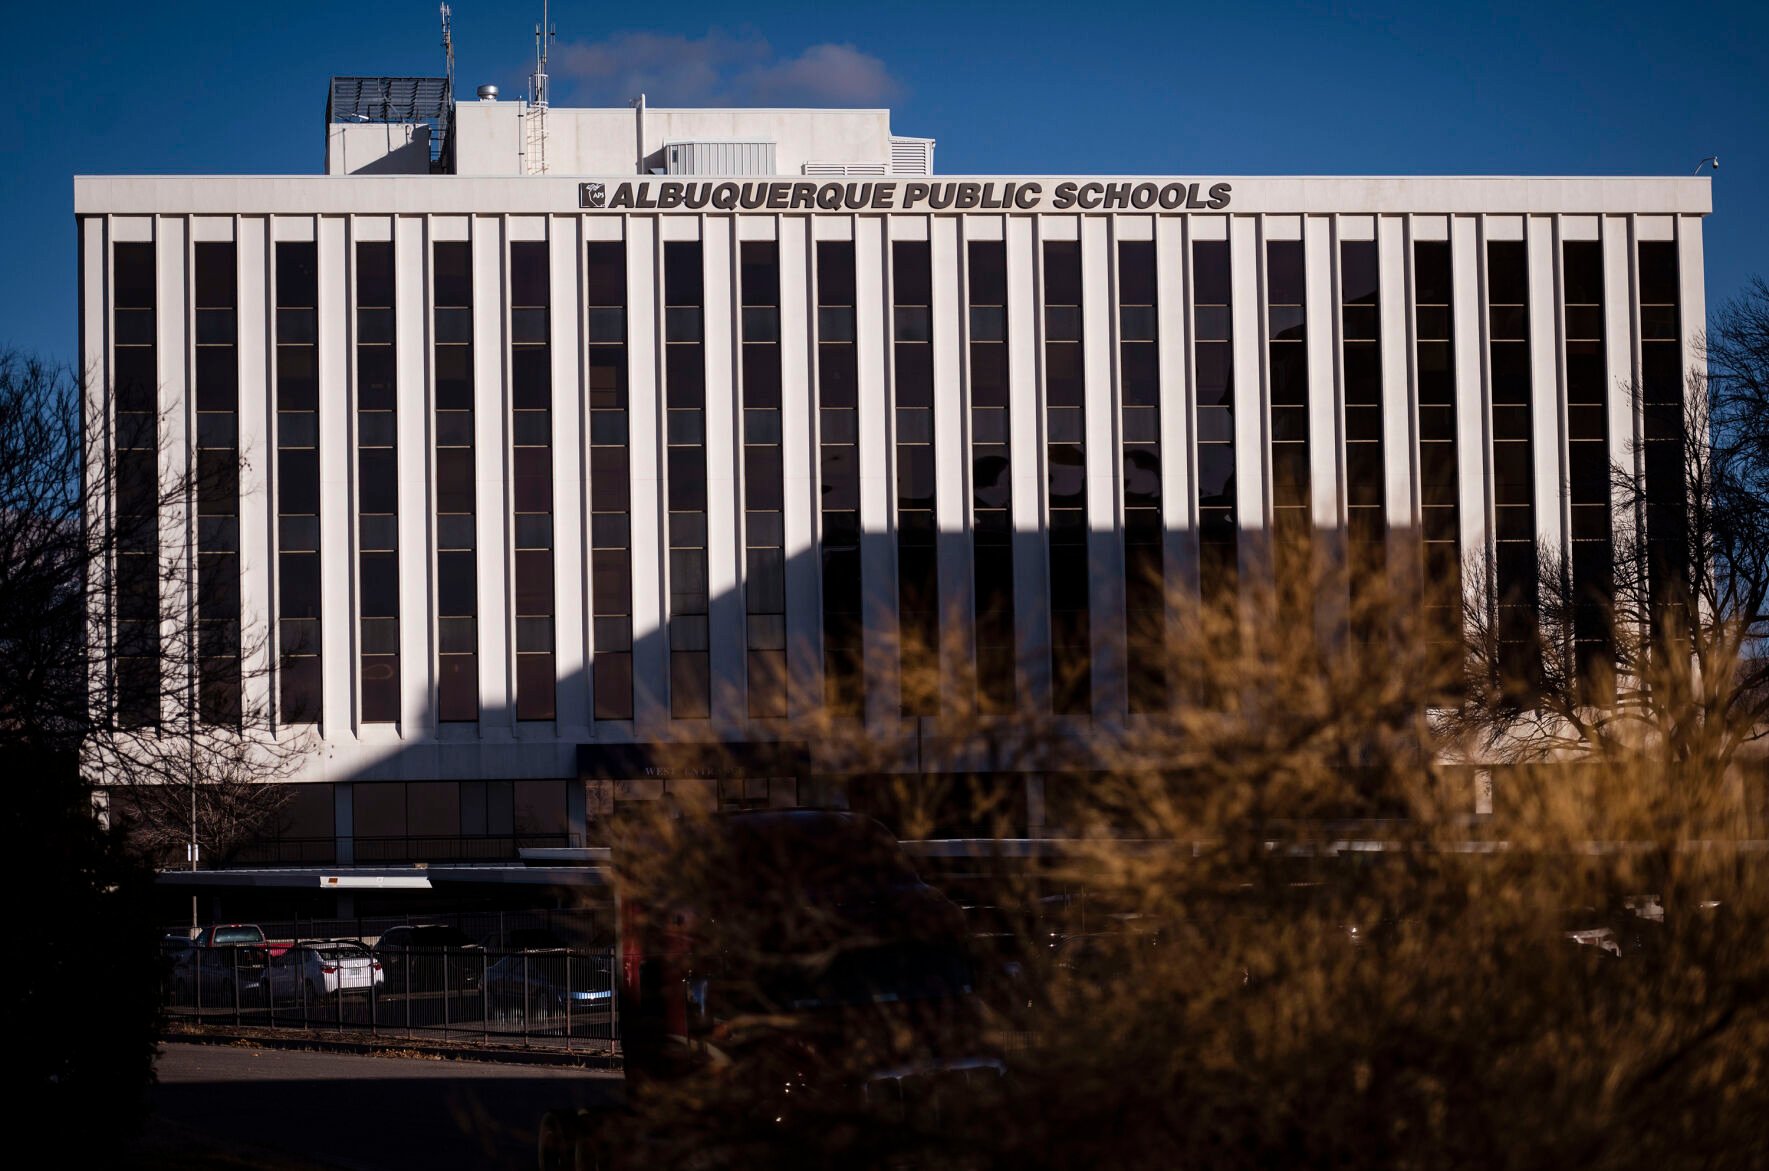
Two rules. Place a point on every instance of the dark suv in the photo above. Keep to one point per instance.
(429, 957)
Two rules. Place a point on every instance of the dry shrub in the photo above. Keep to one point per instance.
(1272, 933)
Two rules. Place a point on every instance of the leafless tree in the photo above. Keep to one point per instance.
(1671, 655)
(78, 497)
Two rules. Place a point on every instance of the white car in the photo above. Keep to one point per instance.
(320, 969)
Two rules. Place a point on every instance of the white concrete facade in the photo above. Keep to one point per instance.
(500, 138)
(415, 211)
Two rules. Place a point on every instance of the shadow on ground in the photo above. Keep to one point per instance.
(234, 1106)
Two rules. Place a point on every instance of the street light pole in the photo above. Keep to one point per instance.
(190, 768)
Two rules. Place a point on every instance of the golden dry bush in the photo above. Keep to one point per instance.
(1273, 924)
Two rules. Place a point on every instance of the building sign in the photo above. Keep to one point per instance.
(901, 195)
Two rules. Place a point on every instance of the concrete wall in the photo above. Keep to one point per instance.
(377, 148)
(490, 137)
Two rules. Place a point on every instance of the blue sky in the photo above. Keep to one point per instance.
(1227, 88)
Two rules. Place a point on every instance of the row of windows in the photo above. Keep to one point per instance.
(1662, 396)
(1286, 296)
(216, 395)
(838, 457)
(1439, 489)
(297, 464)
(1366, 463)
(1513, 453)
(136, 644)
(611, 579)
(1214, 378)
(1587, 451)
(377, 478)
(1065, 393)
(764, 483)
(684, 352)
(992, 522)
(215, 293)
(457, 600)
(1145, 584)
(918, 574)
(531, 430)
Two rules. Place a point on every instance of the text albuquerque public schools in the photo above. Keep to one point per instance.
(895, 195)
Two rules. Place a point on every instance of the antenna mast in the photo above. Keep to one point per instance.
(448, 47)
(534, 118)
(543, 33)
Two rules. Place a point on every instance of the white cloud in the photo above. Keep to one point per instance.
(825, 75)
(719, 69)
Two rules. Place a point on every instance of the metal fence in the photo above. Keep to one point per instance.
(551, 997)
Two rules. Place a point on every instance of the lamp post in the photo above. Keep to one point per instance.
(190, 767)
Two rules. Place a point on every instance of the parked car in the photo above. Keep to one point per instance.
(230, 935)
(177, 960)
(429, 957)
(316, 970)
(521, 939)
(539, 983)
(226, 964)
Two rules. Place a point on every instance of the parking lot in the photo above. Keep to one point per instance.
(278, 1107)
(430, 983)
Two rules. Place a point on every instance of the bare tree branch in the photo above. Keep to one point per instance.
(64, 623)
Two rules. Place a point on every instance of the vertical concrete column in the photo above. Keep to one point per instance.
(1246, 275)
(337, 482)
(724, 531)
(1036, 818)
(1400, 411)
(804, 613)
(172, 342)
(344, 821)
(645, 451)
(257, 513)
(1105, 470)
(1692, 300)
(417, 509)
(1025, 337)
(576, 812)
(877, 422)
(491, 477)
(571, 502)
(1179, 492)
(1326, 431)
(95, 406)
(1547, 386)
(951, 459)
(1473, 420)
(1618, 353)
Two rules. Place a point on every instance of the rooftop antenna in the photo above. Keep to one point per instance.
(448, 47)
(534, 151)
(1714, 159)
(544, 32)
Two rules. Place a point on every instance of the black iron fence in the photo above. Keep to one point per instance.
(554, 997)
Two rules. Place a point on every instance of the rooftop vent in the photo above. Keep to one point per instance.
(912, 156)
(719, 157)
(488, 93)
(845, 169)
